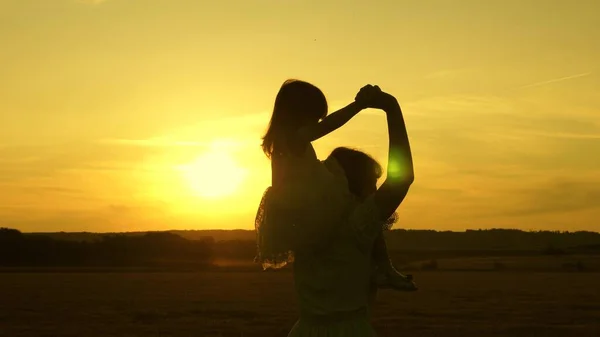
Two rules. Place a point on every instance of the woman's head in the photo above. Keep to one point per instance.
(298, 103)
(362, 171)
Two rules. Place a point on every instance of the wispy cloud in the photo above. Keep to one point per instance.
(449, 73)
(161, 142)
(153, 142)
(562, 135)
(554, 80)
(91, 2)
(562, 195)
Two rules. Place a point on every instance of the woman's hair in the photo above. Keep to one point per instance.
(361, 172)
(359, 167)
(297, 103)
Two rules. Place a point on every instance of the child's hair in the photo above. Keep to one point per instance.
(359, 167)
(297, 103)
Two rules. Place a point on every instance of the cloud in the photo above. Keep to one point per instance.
(451, 73)
(118, 217)
(491, 160)
(43, 162)
(109, 218)
(559, 195)
(503, 196)
(153, 143)
(565, 135)
(173, 143)
(91, 2)
(50, 189)
(480, 160)
(554, 80)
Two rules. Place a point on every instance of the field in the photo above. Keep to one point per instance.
(251, 304)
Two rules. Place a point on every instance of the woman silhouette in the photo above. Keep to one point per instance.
(332, 271)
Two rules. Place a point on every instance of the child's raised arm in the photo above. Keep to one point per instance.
(330, 123)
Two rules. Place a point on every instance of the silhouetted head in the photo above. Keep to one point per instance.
(298, 103)
(362, 173)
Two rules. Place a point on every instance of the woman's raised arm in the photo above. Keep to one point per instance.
(400, 171)
(366, 219)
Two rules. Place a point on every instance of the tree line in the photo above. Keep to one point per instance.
(154, 249)
(196, 249)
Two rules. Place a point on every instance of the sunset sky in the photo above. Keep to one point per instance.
(125, 115)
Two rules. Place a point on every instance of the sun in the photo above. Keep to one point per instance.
(213, 175)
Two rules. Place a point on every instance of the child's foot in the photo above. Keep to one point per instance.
(394, 280)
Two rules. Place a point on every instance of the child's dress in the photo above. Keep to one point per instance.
(315, 194)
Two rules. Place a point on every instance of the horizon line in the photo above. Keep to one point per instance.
(252, 230)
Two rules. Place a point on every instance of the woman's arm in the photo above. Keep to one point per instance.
(330, 123)
(367, 218)
(400, 171)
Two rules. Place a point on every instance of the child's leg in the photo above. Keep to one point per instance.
(384, 266)
(380, 254)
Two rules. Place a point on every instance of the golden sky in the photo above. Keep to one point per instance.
(124, 115)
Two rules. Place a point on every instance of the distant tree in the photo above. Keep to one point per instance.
(9, 234)
(151, 249)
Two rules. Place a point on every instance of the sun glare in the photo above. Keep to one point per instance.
(214, 175)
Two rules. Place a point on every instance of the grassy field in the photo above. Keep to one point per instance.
(251, 304)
